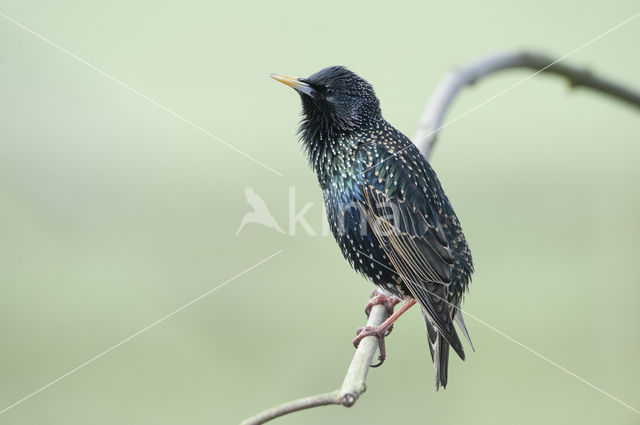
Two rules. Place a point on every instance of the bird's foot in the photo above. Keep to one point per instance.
(385, 328)
(381, 331)
(379, 298)
(378, 331)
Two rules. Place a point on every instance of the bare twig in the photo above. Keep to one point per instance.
(293, 406)
(354, 381)
(467, 74)
(430, 123)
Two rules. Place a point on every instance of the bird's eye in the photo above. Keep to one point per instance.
(330, 91)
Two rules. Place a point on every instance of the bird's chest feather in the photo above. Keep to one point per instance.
(352, 232)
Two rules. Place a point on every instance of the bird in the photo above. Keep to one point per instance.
(260, 213)
(386, 209)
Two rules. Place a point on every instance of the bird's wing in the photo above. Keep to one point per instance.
(419, 250)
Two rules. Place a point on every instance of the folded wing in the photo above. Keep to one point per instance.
(417, 246)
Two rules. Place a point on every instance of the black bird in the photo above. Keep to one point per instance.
(386, 207)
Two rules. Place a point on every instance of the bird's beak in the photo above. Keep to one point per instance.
(295, 83)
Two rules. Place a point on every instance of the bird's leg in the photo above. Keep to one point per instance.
(385, 328)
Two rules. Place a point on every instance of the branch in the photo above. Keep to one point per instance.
(354, 381)
(430, 123)
(293, 406)
(456, 79)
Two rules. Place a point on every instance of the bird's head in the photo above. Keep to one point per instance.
(334, 101)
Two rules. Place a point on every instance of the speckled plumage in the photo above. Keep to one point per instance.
(385, 205)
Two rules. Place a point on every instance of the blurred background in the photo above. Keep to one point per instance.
(114, 213)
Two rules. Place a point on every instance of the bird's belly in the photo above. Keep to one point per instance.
(361, 249)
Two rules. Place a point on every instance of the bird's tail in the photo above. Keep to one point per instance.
(439, 348)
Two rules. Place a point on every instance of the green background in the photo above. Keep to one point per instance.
(113, 213)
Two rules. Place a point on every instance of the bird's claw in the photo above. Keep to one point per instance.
(379, 332)
(379, 298)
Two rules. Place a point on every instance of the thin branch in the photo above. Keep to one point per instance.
(293, 406)
(430, 124)
(354, 381)
(456, 79)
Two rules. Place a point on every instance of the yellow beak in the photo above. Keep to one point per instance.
(294, 83)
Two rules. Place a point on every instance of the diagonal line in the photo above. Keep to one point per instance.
(529, 349)
(139, 93)
(497, 95)
(141, 331)
(548, 360)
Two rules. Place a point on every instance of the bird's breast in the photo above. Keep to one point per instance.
(357, 242)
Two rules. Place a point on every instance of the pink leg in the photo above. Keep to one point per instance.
(384, 329)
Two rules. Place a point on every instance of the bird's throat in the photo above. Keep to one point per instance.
(329, 153)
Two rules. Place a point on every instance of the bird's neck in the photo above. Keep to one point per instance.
(332, 151)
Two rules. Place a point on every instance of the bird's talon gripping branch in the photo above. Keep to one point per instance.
(379, 298)
(380, 332)
(385, 328)
(389, 302)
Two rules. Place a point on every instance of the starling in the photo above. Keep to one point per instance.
(386, 207)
